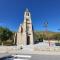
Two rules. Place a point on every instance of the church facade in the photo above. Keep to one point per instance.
(25, 31)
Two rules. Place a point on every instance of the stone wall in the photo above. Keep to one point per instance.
(15, 49)
(56, 48)
(6, 49)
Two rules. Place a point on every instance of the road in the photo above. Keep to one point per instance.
(37, 57)
(45, 57)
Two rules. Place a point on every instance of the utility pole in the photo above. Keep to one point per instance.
(46, 31)
(46, 28)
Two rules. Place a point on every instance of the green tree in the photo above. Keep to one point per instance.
(57, 37)
(5, 34)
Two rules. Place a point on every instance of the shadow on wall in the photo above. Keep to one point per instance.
(57, 44)
(39, 40)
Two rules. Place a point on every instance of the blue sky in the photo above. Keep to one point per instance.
(12, 13)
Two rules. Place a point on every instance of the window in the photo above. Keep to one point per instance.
(27, 14)
(27, 19)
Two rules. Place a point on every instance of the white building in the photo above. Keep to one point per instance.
(25, 32)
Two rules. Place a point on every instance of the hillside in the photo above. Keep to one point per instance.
(46, 35)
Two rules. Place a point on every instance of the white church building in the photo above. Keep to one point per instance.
(25, 31)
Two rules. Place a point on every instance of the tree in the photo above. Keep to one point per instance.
(5, 34)
(57, 37)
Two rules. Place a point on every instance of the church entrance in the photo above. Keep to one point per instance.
(28, 40)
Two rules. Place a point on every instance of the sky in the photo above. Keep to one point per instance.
(12, 14)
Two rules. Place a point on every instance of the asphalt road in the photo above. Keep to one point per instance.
(37, 57)
(45, 57)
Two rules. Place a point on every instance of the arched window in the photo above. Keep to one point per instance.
(27, 19)
(27, 14)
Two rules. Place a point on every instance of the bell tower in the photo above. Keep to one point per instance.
(25, 32)
(28, 24)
